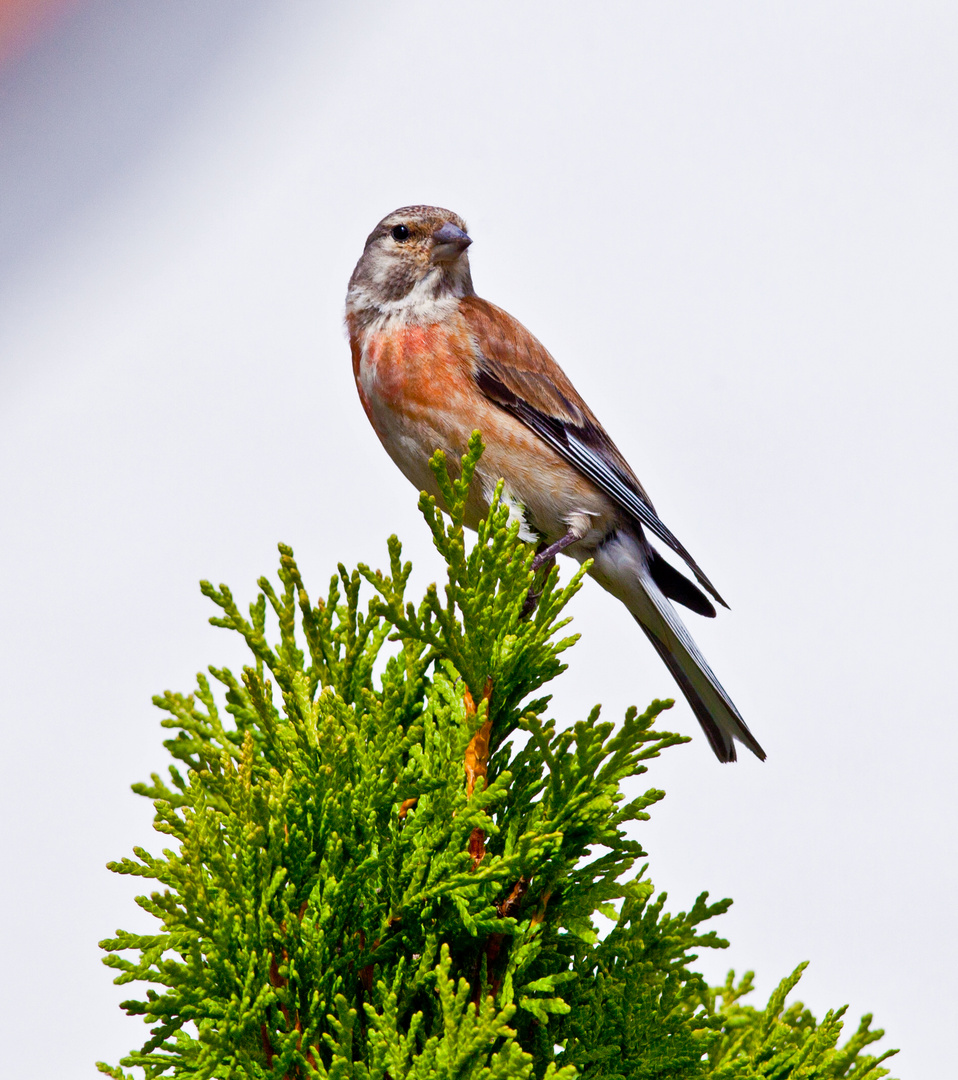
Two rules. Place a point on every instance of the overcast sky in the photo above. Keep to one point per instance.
(733, 224)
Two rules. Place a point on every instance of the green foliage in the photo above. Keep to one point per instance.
(322, 908)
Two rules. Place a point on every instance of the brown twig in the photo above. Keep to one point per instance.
(280, 982)
(267, 1045)
(476, 764)
(541, 913)
(477, 752)
(506, 907)
(494, 943)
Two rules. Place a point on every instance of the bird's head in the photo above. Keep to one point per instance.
(415, 256)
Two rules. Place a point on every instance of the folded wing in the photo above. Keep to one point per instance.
(515, 371)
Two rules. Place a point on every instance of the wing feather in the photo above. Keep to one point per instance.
(515, 371)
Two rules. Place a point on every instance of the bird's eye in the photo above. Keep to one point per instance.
(400, 232)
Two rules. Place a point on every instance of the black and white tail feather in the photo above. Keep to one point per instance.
(625, 564)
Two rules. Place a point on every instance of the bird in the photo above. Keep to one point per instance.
(433, 362)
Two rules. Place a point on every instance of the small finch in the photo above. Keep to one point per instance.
(433, 363)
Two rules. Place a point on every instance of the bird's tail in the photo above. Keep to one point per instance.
(622, 567)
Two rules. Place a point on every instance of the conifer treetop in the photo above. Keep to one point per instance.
(323, 909)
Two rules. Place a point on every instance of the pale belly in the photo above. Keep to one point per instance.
(416, 409)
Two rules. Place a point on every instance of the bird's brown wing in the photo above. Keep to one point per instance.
(515, 371)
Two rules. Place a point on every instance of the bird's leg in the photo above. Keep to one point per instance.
(548, 554)
(477, 765)
(546, 557)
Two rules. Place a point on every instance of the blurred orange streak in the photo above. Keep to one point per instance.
(24, 21)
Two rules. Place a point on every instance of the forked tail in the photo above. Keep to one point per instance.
(621, 566)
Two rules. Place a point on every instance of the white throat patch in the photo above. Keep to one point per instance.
(419, 307)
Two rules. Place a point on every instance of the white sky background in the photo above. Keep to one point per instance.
(733, 224)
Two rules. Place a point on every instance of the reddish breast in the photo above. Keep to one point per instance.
(409, 367)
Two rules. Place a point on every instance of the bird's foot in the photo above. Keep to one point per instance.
(545, 558)
(548, 554)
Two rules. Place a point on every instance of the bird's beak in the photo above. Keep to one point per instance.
(449, 242)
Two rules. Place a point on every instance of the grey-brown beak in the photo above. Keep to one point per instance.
(449, 242)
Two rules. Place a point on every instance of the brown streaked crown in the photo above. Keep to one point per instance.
(422, 222)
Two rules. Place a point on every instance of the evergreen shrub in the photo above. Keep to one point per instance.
(386, 858)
